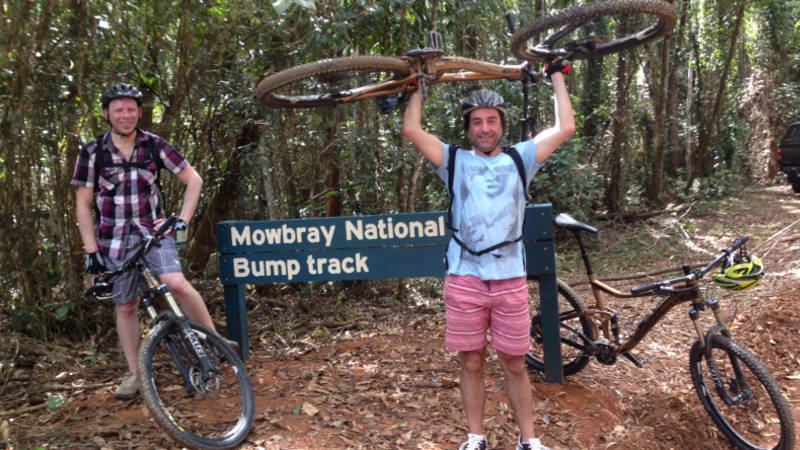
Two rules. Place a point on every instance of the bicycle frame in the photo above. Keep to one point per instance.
(434, 69)
(605, 320)
(154, 288)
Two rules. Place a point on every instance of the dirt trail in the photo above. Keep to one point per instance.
(381, 379)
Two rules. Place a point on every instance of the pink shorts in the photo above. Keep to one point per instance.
(474, 305)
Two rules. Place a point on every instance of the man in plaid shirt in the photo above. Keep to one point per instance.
(126, 199)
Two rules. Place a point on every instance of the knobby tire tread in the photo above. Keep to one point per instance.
(666, 13)
(266, 88)
(147, 349)
(697, 357)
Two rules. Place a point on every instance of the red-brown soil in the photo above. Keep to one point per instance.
(335, 372)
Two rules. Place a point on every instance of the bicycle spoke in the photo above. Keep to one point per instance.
(332, 85)
(573, 355)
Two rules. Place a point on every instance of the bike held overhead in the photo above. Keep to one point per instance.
(575, 33)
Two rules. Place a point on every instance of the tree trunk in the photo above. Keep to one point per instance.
(614, 186)
(659, 84)
(702, 166)
(673, 157)
(204, 241)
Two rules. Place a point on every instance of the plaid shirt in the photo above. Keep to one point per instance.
(126, 198)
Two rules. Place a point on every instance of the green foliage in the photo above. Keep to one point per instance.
(198, 64)
(94, 357)
(723, 184)
(568, 181)
(282, 5)
(55, 401)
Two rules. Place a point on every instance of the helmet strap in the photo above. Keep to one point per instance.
(114, 130)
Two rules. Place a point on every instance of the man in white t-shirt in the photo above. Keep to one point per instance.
(486, 284)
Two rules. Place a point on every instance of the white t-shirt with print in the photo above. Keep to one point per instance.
(488, 208)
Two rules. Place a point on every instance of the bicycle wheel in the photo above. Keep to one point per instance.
(604, 20)
(573, 357)
(331, 81)
(752, 412)
(216, 414)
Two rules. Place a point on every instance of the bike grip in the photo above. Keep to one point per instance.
(645, 288)
(168, 224)
(738, 243)
(510, 21)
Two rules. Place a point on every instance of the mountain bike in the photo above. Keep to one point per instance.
(737, 391)
(581, 32)
(193, 381)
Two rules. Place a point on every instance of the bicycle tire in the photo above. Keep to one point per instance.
(221, 417)
(663, 11)
(297, 87)
(750, 424)
(569, 309)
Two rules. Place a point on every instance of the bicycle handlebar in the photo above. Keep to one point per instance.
(693, 275)
(167, 225)
(142, 249)
(510, 22)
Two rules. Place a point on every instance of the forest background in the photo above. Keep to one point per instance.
(696, 114)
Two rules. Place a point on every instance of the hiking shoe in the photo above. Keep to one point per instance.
(475, 442)
(532, 444)
(128, 387)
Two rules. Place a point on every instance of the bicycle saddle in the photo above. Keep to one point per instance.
(564, 220)
(422, 52)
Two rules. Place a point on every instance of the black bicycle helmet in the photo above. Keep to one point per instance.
(121, 90)
(480, 99)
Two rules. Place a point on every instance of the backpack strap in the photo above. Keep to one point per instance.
(451, 170)
(515, 156)
(152, 155)
(99, 163)
(487, 249)
(511, 151)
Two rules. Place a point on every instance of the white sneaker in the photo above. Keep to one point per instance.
(532, 444)
(128, 387)
(475, 442)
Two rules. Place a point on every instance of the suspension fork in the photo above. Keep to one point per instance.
(176, 315)
(739, 383)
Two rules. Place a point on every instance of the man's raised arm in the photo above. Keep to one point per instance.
(428, 144)
(550, 139)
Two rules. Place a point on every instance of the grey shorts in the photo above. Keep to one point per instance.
(162, 258)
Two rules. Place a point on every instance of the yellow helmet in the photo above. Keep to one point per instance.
(744, 273)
